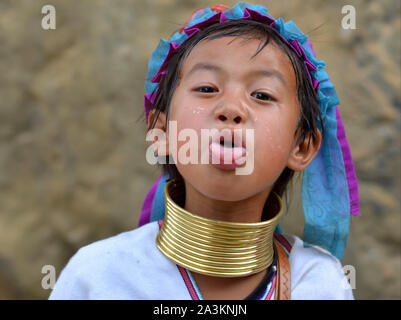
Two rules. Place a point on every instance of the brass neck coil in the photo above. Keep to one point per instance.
(214, 247)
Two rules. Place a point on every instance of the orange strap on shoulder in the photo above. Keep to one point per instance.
(283, 281)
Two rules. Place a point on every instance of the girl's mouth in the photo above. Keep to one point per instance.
(226, 155)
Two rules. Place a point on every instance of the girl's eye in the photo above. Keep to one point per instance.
(205, 89)
(263, 96)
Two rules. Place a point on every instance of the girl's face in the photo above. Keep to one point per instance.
(220, 87)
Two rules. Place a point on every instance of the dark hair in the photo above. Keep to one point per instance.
(307, 99)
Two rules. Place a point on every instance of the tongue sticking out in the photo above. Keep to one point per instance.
(224, 154)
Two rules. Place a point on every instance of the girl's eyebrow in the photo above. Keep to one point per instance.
(270, 73)
(205, 66)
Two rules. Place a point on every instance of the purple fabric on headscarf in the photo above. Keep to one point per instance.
(348, 162)
(144, 218)
(349, 167)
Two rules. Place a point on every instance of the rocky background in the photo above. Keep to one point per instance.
(72, 136)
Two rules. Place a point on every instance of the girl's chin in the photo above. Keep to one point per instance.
(219, 184)
(218, 194)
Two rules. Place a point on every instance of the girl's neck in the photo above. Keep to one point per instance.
(246, 210)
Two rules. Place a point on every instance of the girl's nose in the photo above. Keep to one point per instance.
(232, 111)
(229, 116)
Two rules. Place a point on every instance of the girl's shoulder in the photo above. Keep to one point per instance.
(315, 272)
(132, 242)
(114, 268)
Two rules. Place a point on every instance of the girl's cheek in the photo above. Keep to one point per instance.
(271, 142)
(190, 120)
(192, 117)
(198, 111)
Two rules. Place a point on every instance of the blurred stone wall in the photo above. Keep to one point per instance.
(72, 140)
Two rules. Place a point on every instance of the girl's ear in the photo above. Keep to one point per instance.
(160, 121)
(160, 140)
(304, 152)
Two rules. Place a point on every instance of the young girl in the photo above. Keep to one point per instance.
(205, 231)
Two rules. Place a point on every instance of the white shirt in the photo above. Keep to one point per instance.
(130, 266)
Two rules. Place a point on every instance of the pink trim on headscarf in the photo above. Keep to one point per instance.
(349, 167)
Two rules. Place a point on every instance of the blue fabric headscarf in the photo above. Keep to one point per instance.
(329, 184)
